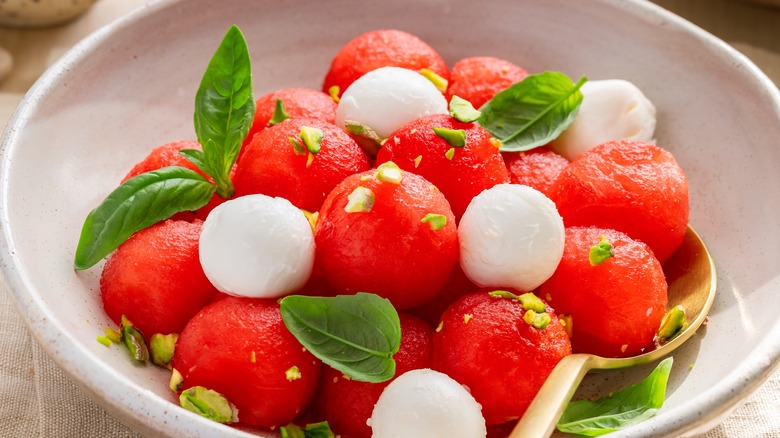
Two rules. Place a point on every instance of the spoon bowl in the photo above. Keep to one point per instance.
(690, 273)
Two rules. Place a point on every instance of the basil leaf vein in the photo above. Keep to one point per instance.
(138, 203)
(355, 334)
(224, 109)
(532, 112)
(626, 407)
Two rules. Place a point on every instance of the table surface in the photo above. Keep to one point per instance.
(37, 399)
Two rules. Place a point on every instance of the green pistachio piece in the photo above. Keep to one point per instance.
(567, 323)
(454, 137)
(503, 294)
(176, 380)
(297, 146)
(530, 301)
(366, 137)
(334, 92)
(312, 138)
(449, 154)
(439, 82)
(312, 218)
(538, 320)
(417, 161)
(162, 347)
(361, 200)
(207, 403)
(280, 113)
(293, 373)
(104, 340)
(134, 341)
(462, 110)
(318, 430)
(113, 335)
(291, 431)
(600, 252)
(671, 325)
(436, 221)
(389, 172)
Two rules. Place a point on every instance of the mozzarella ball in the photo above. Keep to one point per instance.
(388, 97)
(611, 110)
(425, 403)
(510, 236)
(257, 246)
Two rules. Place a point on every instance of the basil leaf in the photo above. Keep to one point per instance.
(140, 202)
(355, 334)
(196, 157)
(532, 112)
(225, 109)
(624, 408)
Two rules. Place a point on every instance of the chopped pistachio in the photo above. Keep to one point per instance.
(280, 113)
(312, 138)
(134, 341)
(530, 301)
(298, 148)
(623, 348)
(449, 154)
(548, 297)
(253, 356)
(671, 324)
(366, 137)
(568, 324)
(467, 317)
(439, 82)
(318, 430)
(538, 320)
(334, 92)
(176, 380)
(361, 200)
(344, 376)
(104, 340)
(413, 131)
(312, 218)
(293, 373)
(291, 431)
(417, 161)
(440, 326)
(462, 110)
(389, 172)
(495, 142)
(207, 403)
(503, 294)
(600, 252)
(435, 221)
(162, 347)
(113, 335)
(454, 137)
(309, 160)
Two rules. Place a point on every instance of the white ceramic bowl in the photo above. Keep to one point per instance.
(131, 86)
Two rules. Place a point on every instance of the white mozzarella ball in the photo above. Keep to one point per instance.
(388, 97)
(612, 109)
(426, 404)
(257, 246)
(510, 236)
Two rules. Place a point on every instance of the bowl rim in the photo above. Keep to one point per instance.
(148, 414)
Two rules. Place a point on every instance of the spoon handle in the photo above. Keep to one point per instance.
(548, 405)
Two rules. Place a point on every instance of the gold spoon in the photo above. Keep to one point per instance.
(691, 276)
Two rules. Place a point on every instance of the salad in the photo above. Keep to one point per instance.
(408, 252)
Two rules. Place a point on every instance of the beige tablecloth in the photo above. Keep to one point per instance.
(36, 399)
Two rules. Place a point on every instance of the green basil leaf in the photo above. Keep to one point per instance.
(195, 157)
(355, 334)
(532, 112)
(225, 108)
(140, 202)
(624, 408)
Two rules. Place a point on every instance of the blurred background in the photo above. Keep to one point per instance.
(35, 33)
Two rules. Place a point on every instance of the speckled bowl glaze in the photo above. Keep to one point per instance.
(131, 86)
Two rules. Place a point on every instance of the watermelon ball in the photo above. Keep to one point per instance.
(637, 188)
(537, 168)
(479, 78)
(347, 404)
(501, 348)
(272, 165)
(155, 279)
(426, 403)
(386, 98)
(257, 246)
(612, 109)
(460, 172)
(510, 236)
(241, 348)
(614, 306)
(382, 48)
(388, 232)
